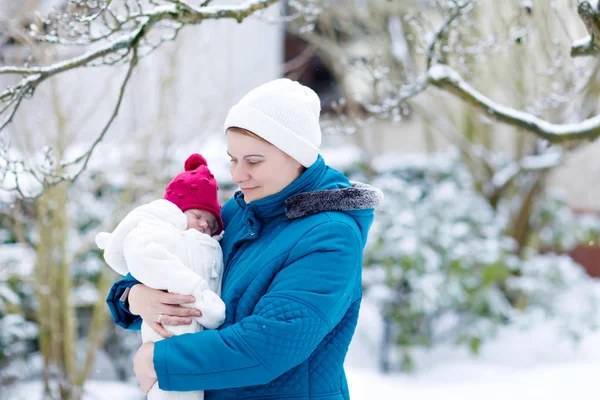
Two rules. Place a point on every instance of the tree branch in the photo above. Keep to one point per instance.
(187, 15)
(442, 31)
(447, 79)
(588, 46)
(85, 157)
(120, 42)
(539, 162)
(584, 47)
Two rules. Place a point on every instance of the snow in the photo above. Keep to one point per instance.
(93, 390)
(86, 294)
(582, 43)
(522, 362)
(400, 48)
(14, 327)
(16, 259)
(7, 294)
(531, 364)
(543, 161)
(442, 75)
(439, 72)
(546, 160)
(555, 382)
(519, 364)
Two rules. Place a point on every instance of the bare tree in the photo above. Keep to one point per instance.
(111, 32)
(391, 63)
(590, 45)
(393, 60)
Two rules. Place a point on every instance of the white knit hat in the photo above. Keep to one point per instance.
(285, 114)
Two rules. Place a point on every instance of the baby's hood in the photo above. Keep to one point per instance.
(113, 243)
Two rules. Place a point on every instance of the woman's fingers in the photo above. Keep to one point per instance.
(175, 298)
(158, 328)
(181, 311)
(159, 308)
(171, 320)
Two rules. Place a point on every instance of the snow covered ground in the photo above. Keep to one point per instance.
(94, 390)
(519, 365)
(561, 381)
(576, 381)
(539, 362)
(530, 364)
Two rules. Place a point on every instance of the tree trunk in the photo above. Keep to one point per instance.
(521, 223)
(57, 320)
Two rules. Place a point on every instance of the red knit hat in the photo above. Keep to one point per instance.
(195, 188)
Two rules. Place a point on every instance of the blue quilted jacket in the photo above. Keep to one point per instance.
(292, 287)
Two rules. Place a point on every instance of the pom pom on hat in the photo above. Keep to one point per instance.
(196, 188)
(194, 161)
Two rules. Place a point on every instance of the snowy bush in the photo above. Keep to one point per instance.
(559, 228)
(442, 267)
(554, 286)
(17, 332)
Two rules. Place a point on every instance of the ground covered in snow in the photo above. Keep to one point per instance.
(519, 365)
(530, 364)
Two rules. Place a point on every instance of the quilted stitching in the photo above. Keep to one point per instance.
(323, 370)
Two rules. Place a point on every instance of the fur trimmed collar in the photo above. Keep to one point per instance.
(359, 196)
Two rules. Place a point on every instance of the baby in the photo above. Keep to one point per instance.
(172, 244)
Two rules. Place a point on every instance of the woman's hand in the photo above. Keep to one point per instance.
(143, 366)
(158, 308)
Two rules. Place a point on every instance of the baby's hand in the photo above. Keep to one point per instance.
(211, 306)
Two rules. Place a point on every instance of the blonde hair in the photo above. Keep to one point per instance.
(246, 132)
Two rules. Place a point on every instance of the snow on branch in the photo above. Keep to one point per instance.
(177, 11)
(442, 31)
(445, 78)
(539, 162)
(85, 157)
(589, 12)
(112, 36)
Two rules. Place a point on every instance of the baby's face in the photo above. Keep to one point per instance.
(202, 221)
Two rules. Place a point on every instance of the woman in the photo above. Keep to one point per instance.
(293, 243)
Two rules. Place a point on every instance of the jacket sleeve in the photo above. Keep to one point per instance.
(118, 310)
(303, 303)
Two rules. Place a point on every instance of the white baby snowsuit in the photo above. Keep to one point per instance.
(153, 244)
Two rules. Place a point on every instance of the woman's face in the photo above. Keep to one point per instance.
(258, 167)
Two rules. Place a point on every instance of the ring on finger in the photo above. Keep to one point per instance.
(159, 318)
